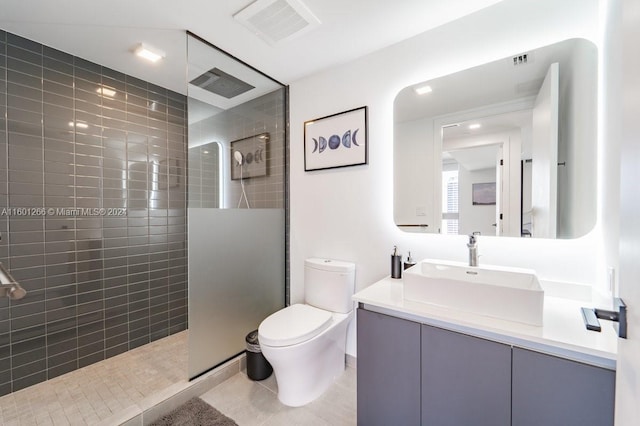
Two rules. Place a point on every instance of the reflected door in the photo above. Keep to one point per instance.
(545, 156)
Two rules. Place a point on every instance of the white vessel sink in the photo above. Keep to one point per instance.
(512, 294)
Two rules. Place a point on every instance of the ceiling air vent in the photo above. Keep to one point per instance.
(221, 83)
(277, 20)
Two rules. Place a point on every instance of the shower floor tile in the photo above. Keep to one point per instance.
(98, 391)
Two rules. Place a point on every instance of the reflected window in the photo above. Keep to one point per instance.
(450, 213)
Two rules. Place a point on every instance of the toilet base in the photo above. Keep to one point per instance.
(306, 370)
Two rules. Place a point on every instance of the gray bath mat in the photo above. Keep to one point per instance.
(195, 412)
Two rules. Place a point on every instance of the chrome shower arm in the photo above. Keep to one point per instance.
(9, 287)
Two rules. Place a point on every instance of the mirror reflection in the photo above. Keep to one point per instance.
(507, 148)
(236, 132)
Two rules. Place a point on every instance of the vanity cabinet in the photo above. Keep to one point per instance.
(411, 373)
(465, 380)
(388, 380)
(548, 390)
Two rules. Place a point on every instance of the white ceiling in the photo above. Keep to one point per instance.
(489, 125)
(105, 32)
(477, 149)
(475, 158)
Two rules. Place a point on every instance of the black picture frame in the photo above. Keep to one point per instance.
(337, 140)
(254, 154)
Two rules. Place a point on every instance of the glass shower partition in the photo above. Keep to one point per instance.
(236, 203)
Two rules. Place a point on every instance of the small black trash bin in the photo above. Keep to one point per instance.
(258, 368)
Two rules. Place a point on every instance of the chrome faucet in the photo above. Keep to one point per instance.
(473, 250)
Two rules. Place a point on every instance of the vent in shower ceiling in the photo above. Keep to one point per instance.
(277, 20)
(222, 84)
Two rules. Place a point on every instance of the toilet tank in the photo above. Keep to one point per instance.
(329, 284)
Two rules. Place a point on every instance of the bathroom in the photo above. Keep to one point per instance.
(347, 213)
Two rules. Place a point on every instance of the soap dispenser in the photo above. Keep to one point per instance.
(409, 262)
(396, 263)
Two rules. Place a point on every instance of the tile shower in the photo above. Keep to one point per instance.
(263, 115)
(76, 137)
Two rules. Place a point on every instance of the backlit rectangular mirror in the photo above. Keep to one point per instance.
(507, 148)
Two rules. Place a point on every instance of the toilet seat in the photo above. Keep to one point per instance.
(293, 324)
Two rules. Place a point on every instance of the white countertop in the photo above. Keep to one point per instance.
(563, 333)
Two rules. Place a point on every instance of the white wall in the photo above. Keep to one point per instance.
(348, 213)
(610, 134)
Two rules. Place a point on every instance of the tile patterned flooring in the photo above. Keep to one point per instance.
(95, 394)
(252, 403)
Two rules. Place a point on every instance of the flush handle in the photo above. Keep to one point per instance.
(618, 315)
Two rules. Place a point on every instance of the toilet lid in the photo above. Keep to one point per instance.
(293, 324)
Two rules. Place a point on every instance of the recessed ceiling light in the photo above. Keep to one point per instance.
(205, 152)
(148, 53)
(474, 126)
(421, 90)
(105, 91)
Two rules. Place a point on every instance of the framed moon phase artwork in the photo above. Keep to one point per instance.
(337, 140)
(249, 157)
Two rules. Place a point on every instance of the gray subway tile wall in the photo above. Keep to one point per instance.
(103, 282)
(204, 176)
(265, 114)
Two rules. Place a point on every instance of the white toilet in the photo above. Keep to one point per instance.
(305, 343)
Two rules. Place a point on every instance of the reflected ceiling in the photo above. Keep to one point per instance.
(486, 84)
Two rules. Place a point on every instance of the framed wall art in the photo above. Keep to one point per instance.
(337, 140)
(483, 194)
(249, 157)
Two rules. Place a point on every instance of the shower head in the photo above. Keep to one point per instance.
(238, 156)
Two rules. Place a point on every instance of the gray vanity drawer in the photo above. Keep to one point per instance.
(465, 380)
(548, 390)
(388, 370)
